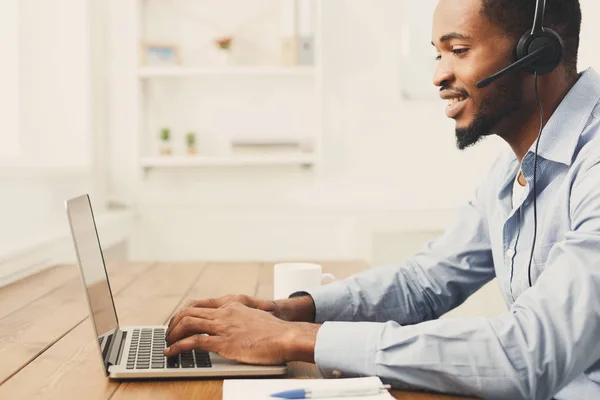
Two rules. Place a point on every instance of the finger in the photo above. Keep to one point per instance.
(189, 304)
(203, 303)
(176, 316)
(189, 326)
(183, 324)
(253, 302)
(170, 324)
(202, 342)
(207, 303)
(238, 298)
(206, 313)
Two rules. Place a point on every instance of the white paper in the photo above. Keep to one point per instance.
(262, 389)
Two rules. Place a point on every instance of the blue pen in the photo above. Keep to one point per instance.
(320, 393)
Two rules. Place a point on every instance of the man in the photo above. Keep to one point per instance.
(384, 321)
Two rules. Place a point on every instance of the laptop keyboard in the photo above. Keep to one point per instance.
(146, 352)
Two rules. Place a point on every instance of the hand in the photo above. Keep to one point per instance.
(243, 334)
(249, 301)
(296, 309)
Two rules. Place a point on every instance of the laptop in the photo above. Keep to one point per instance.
(136, 351)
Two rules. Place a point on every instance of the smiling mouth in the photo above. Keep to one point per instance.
(455, 106)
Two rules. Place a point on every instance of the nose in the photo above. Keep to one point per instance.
(443, 73)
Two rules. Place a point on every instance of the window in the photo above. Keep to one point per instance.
(44, 85)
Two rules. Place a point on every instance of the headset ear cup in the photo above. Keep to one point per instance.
(546, 38)
(523, 45)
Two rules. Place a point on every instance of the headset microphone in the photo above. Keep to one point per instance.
(523, 62)
(539, 52)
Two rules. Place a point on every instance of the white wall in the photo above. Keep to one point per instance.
(590, 32)
(56, 161)
(53, 84)
(54, 114)
(9, 78)
(388, 164)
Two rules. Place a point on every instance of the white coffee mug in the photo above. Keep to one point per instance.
(295, 277)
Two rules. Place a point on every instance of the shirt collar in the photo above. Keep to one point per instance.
(561, 134)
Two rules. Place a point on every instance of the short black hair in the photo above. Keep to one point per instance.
(516, 17)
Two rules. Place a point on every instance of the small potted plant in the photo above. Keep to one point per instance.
(190, 139)
(165, 138)
(224, 46)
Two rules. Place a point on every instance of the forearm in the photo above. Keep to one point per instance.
(464, 357)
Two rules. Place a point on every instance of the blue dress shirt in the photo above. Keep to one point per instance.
(384, 321)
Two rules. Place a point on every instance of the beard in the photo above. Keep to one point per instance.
(502, 100)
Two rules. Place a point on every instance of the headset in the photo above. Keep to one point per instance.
(539, 52)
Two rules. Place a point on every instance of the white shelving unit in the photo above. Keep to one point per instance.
(228, 161)
(309, 75)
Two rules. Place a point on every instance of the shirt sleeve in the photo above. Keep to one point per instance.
(437, 279)
(548, 337)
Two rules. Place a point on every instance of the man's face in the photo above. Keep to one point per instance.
(469, 49)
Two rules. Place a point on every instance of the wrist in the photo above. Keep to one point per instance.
(299, 342)
(300, 309)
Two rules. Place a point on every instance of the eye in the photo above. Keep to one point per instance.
(460, 51)
(456, 52)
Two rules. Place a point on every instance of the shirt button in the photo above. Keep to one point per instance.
(336, 374)
(510, 253)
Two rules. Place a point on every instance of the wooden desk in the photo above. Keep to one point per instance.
(48, 350)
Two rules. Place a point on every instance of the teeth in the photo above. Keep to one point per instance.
(455, 100)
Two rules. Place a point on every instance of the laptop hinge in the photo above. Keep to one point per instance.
(115, 348)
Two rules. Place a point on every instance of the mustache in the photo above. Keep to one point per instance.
(454, 90)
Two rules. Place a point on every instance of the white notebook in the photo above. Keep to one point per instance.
(261, 389)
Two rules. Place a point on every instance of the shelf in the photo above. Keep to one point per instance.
(305, 93)
(182, 72)
(223, 161)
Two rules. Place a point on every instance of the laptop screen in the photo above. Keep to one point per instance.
(93, 270)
